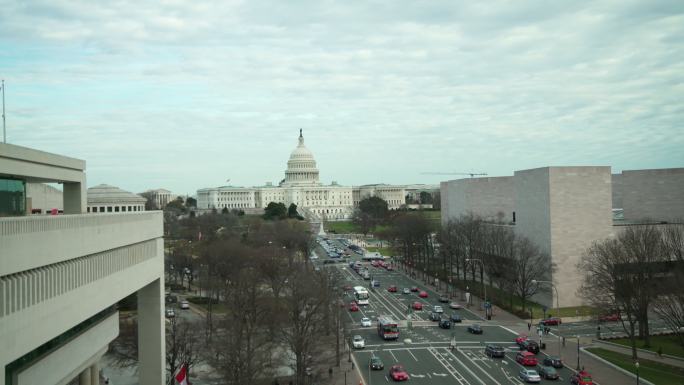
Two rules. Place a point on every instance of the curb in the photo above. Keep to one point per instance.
(646, 352)
(612, 365)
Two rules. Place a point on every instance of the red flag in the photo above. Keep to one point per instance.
(181, 376)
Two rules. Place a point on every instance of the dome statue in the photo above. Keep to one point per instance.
(301, 167)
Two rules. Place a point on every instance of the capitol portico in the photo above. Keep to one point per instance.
(302, 187)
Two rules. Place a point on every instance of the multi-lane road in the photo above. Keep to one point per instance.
(430, 355)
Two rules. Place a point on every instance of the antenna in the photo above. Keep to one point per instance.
(4, 130)
(472, 174)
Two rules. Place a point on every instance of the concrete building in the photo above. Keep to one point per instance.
(104, 198)
(42, 198)
(491, 198)
(565, 209)
(61, 275)
(302, 187)
(651, 194)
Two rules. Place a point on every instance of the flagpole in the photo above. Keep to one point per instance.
(4, 130)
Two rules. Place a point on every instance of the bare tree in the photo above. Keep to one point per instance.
(669, 302)
(623, 274)
(241, 346)
(183, 346)
(303, 309)
(528, 264)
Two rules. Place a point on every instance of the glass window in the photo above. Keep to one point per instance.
(12, 197)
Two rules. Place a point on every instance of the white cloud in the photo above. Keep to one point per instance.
(199, 91)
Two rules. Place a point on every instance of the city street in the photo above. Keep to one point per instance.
(423, 348)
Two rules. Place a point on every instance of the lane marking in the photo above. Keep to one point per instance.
(447, 365)
(479, 367)
(465, 366)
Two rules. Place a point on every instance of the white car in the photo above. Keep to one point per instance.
(366, 322)
(455, 305)
(437, 309)
(170, 313)
(358, 342)
(528, 375)
(184, 305)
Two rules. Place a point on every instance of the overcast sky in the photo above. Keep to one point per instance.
(186, 94)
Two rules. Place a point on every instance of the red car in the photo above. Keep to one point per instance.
(375, 263)
(526, 358)
(551, 321)
(609, 318)
(521, 338)
(417, 306)
(381, 264)
(388, 267)
(423, 294)
(392, 289)
(353, 307)
(581, 378)
(414, 289)
(397, 373)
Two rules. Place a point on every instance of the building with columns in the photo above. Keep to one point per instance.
(162, 197)
(62, 275)
(302, 187)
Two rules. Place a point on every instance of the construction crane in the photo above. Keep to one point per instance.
(472, 174)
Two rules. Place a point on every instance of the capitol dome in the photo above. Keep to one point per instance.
(301, 167)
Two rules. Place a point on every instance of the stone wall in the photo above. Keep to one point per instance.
(653, 194)
(581, 213)
(491, 198)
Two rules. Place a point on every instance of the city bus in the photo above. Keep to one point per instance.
(361, 295)
(387, 328)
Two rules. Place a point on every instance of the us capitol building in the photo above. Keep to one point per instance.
(302, 187)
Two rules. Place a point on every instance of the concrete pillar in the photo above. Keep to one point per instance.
(151, 349)
(75, 197)
(84, 377)
(95, 374)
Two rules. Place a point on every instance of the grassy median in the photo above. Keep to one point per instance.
(656, 372)
(669, 344)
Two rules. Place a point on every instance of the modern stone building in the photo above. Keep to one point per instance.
(565, 209)
(61, 276)
(651, 194)
(104, 198)
(302, 187)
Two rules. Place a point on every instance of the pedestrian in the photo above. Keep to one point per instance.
(330, 372)
(563, 339)
(352, 365)
(529, 326)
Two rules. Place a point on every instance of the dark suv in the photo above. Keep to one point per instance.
(553, 361)
(530, 346)
(495, 351)
(444, 323)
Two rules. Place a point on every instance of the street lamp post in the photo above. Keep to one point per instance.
(578, 352)
(535, 282)
(484, 287)
(637, 371)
